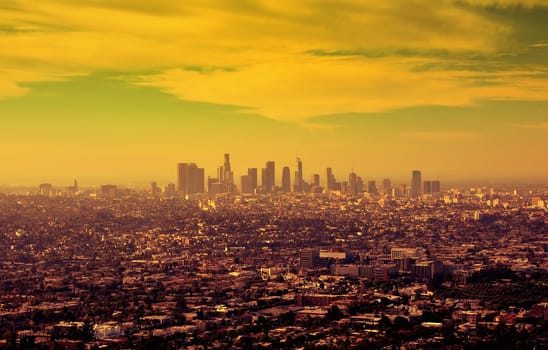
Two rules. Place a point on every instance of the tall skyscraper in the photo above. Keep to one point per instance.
(268, 177)
(436, 187)
(352, 184)
(316, 180)
(252, 173)
(286, 179)
(226, 175)
(299, 176)
(190, 178)
(330, 180)
(416, 183)
(372, 187)
(386, 186)
(427, 187)
(249, 181)
(246, 184)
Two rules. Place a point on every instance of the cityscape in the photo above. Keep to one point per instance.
(199, 264)
(256, 175)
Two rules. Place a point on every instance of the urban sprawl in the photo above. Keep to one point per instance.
(208, 264)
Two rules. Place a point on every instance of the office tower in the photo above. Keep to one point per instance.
(226, 176)
(359, 185)
(154, 189)
(352, 184)
(316, 180)
(309, 257)
(372, 187)
(249, 181)
(286, 179)
(268, 178)
(330, 180)
(252, 173)
(246, 184)
(436, 187)
(170, 189)
(299, 176)
(416, 183)
(45, 190)
(190, 178)
(213, 185)
(427, 187)
(386, 186)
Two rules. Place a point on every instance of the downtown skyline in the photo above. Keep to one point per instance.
(119, 91)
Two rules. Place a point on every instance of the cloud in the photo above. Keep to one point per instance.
(506, 3)
(299, 89)
(285, 60)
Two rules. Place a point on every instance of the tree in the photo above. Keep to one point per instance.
(334, 313)
(401, 323)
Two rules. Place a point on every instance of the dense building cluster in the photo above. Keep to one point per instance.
(123, 269)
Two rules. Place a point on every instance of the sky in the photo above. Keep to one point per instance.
(120, 91)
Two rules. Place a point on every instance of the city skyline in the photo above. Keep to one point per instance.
(119, 91)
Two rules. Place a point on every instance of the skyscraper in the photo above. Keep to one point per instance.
(299, 176)
(436, 187)
(252, 173)
(352, 184)
(386, 186)
(226, 175)
(427, 187)
(245, 185)
(268, 177)
(416, 183)
(372, 187)
(190, 178)
(316, 180)
(286, 179)
(330, 180)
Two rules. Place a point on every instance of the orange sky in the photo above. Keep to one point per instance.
(120, 91)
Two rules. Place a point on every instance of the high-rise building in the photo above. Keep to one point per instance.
(359, 185)
(190, 178)
(386, 186)
(299, 176)
(226, 176)
(330, 180)
(316, 180)
(246, 184)
(352, 184)
(268, 177)
(436, 187)
(45, 190)
(249, 181)
(416, 183)
(427, 187)
(155, 189)
(372, 187)
(170, 189)
(252, 173)
(286, 179)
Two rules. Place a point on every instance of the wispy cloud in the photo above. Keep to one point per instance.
(506, 3)
(539, 45)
